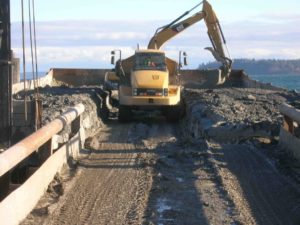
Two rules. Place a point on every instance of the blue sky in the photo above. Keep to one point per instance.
(81, 33)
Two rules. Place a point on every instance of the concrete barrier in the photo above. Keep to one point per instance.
(18, 204)
(290, 143)
(18, 152)
(201, 78)
(42, 82)
(78, 77)
(288, 138)
(190, 79)
(290, 112)
(213, 79)
(15, 207)
(238, 78)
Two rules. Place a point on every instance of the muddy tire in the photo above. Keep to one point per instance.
(174, 113)
(124, 113)
(104, 108)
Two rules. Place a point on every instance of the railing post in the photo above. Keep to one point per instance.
(45, 151)
(288, 124)
(75, 125)
(20, 151)
(4, 185)
(5, 73)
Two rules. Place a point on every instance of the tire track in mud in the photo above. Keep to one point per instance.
(185, 190)
(146, 174)
(113, 184)
(261, 194)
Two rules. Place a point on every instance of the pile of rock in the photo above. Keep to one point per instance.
(233, 114)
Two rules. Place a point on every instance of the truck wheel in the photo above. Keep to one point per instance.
(124, 113)
(174, 113)
(104, 108)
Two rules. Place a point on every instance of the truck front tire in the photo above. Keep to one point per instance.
(174, 113)
(124, 113)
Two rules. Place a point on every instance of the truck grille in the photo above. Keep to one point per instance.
(150, 92)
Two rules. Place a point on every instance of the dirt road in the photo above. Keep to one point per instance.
(141, 173)
(256, 186)
(112, 184)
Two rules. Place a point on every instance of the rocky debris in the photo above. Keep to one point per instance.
(195, 176)
(56, 100)
(296, 104)
(234, 114)
(55, 189)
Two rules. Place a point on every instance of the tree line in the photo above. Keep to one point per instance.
(264, 66)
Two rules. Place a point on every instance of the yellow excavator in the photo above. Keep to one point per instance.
(150, 80)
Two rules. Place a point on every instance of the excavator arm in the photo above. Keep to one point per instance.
(214, 31)
(163, 34)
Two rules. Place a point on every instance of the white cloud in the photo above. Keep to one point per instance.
(80, 56)
(88, 44)
(119, 35)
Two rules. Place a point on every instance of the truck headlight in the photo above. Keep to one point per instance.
(165, 92)
(135, 92)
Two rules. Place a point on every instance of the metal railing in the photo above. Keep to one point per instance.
(20, 151)
(291, 115)
(17, 203)
(289, 137)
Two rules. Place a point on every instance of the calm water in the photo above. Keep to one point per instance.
(288, 81)
(29, 75)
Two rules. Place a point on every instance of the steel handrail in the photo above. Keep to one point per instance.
(20, 151)
(290, 111)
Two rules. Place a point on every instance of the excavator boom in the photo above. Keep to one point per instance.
(214, 31)
(171, 30)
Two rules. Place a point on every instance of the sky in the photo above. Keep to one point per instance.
(81, 34)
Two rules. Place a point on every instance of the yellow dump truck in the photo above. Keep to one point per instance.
(147, 80)
(150, 80)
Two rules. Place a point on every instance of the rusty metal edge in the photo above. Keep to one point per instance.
(16, 206)
(290, 111)
(18, 152)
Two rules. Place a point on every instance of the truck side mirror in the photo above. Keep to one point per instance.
(185, 59)
(182, 55)
(113, 53)
(112, 60)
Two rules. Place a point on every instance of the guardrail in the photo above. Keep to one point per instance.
(289, 137)
(18, 204)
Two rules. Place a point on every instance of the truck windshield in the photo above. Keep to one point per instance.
(150, 61)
